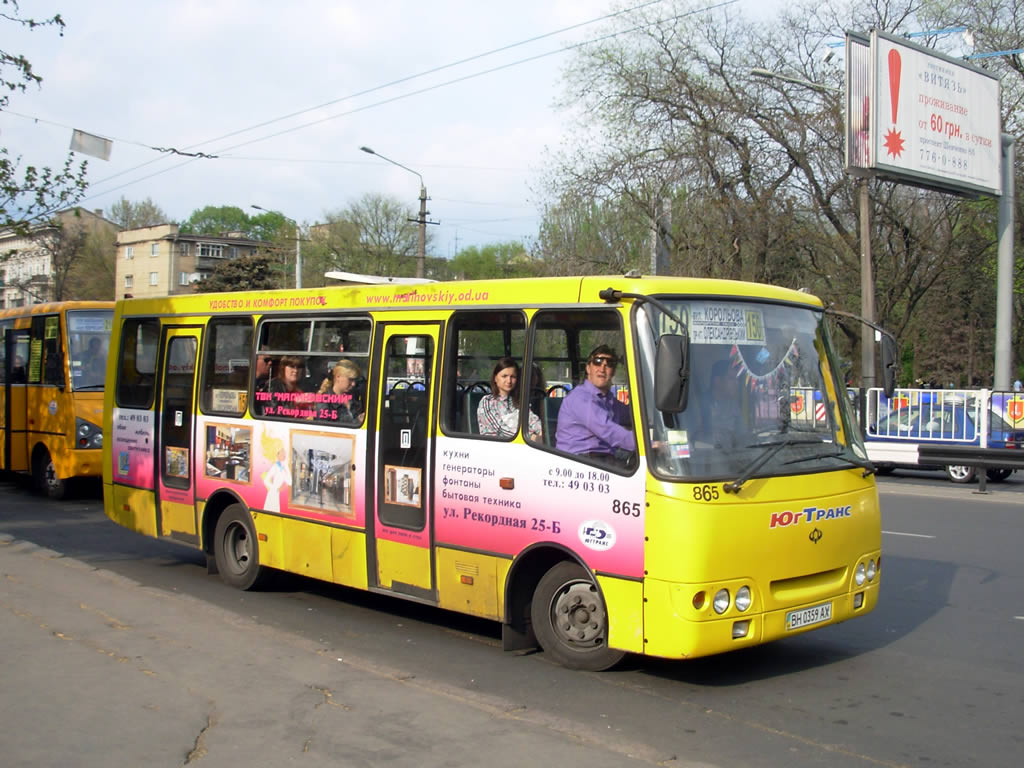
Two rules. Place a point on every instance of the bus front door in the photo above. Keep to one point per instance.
(400, 533)
(16, 456)
(176, 512)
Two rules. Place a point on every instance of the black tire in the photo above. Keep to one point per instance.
(998, 475)
(960, 474)
(236, 549)
(45, 478)
(570, 620)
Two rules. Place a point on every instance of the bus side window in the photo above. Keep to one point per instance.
(477, 340)
(136, 368)
(226, 365)
(571, 346)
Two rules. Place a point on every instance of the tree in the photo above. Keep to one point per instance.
(30, 195)
(371, 236)
(751, 170)
(220, 220)
(496, 260)
(129, 215)
(245, 273)
(92, 273)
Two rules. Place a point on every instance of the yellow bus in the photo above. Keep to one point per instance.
(224, 430)
(53, 366)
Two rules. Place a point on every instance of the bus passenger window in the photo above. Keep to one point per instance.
(485, 349)
(226, 366)
(591, 407)
(298, 369)
(136, 369)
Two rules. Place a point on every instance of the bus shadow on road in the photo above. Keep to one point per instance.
(913, 591)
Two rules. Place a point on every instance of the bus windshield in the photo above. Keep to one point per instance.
(88, 344)
(764, 396)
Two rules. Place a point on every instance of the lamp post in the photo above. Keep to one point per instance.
(867, 280)
(421, 219)
(298, 243)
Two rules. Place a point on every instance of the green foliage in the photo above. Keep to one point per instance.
(496, 260)
(245, 273)
(30, 194)
(220, 220)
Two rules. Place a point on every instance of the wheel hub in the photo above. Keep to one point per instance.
(578, 615)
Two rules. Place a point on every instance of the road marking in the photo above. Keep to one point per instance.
(915, 535)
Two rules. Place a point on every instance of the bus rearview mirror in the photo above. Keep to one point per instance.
(672, 373)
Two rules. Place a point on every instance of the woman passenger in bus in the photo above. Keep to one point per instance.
(498, 412)
(337, 399)
(290, 397)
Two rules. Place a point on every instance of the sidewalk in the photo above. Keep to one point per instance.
(98, 670)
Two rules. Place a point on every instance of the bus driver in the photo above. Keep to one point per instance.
(592, 422)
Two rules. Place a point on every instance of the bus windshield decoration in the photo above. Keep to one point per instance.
(501, 453)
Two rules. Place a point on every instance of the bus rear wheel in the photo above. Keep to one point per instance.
(236, 551)
(570, 620)
(47, 481)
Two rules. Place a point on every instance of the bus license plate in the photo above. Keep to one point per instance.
(816, 614)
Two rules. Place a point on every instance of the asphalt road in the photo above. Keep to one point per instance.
(932, 677)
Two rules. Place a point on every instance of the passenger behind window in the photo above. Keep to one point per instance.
(290, 375)
(498, 412)
(264, 370)
(337, 398)
(592, 422)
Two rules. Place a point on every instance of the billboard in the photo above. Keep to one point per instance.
(920, 117)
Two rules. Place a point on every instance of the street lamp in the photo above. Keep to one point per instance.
(298, 243)
(422, 219)
(867, 280)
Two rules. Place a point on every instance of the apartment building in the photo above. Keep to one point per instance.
(160, 261)
(27, 262)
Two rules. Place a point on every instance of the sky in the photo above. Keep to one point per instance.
(217, 76)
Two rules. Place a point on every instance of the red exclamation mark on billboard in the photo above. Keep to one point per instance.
(895, 65)
(894, 139)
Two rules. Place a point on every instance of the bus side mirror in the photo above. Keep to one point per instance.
(890, 359)
(672, 373)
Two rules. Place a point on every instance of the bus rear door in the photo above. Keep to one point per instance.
(400, 532)
(176, 512)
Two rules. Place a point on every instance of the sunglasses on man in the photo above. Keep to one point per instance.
(603, 360)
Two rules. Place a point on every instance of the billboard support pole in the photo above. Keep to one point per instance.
(1004, 279)
(867, 289)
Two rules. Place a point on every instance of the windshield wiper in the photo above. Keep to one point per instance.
(773, 448)
(868, 467)
(82, 387)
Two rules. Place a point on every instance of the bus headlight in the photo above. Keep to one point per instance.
(87, 434)
(742, 598)
(860, 574)
(872, 570)
(721, 601)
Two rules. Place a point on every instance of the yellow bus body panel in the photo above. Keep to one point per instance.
(134, 508)
(311, 549)
(406, 564)
(697, 548)
(177, 518)
(624, 599)
(467, 582)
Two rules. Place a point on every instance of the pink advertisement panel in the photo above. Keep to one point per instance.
(499, 497)
(132, 447)
(295, 470)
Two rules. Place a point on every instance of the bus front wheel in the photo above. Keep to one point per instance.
(570, 620)
(236, 550)
(47, 481)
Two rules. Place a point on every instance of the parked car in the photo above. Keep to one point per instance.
(945, 423)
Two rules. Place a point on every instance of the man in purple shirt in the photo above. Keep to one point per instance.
(592, 422)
